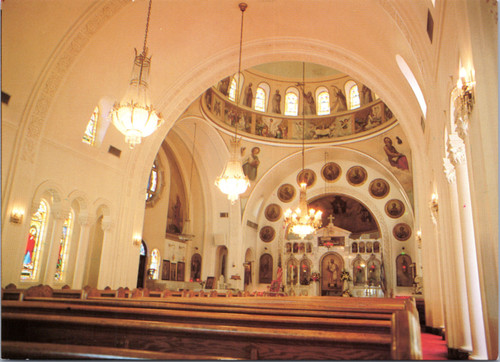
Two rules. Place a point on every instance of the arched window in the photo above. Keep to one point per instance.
(261, 97)
(354, 247)
(154, 265)
(291, 102)
(62, 260)
(32, 254)
(153, 183)
(352, 92)
(322, 101)
(90, 131)
(233, 87)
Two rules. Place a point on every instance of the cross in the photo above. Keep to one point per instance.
(331, 218)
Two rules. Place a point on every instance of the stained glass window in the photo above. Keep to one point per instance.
(152, 183)
(62, 260)
(155, 263)
(323, 102)
(143, 249)
(352, 92)
(90, 131)
(292, 102)
(31, 261)
(232, 90)
(260, 100)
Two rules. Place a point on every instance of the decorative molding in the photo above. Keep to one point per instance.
(456, 149)
(56, 70)
(449, 170)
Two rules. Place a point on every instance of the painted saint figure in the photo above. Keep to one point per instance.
(395, 158)
(251, 164)
(277, 102)
(248, 96)
(334, 270)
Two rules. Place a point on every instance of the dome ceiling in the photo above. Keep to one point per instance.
(273, 105)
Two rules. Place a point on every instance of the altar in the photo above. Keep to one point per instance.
(332, 261)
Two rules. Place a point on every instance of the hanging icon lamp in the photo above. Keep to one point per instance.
(303, 221)
(135, 116)
(233, 181)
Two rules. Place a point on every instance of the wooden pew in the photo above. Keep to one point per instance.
(333, 306)
(12, 294)
(50, 351)
(69, 293)
(319, 322)
(327, 314)
(201, 339)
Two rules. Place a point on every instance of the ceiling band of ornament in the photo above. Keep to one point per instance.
(353, 124)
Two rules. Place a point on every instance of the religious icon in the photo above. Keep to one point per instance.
(273, 212)
(379, 188)
(180, 271)
(394, 208)
(307, 176)
(286, 193)
(266, 268)
(356, 175)
(165, 270)
(402, 231)
(331, 172)
(267, 234)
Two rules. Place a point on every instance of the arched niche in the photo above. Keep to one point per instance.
(348, 214)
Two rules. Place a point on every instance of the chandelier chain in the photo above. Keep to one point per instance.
(147, 28)
(243, 7)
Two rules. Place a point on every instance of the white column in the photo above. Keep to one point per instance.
(462, 337)
(458, 158)
(83, 246)
(235, 258)
(105, 268)
(54, 244)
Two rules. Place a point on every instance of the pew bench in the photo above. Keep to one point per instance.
(195, 338)
(321, 321)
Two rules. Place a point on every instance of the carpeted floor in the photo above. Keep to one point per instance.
(433, 347)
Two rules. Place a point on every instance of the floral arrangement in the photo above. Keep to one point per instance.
(345, 276)
(315, 276)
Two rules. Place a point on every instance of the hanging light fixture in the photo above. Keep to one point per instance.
(135, 116)
(187, 234)
(233, 181)
(303, 221)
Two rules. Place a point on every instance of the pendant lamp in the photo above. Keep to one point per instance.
(303, 221)
(135, 116)
(233, 181)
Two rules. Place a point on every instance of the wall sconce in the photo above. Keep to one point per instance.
(16, 217)
(418, 237)
(137, 240)
(434, 203)
(465, 89)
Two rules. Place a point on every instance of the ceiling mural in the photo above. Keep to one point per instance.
(348, 214)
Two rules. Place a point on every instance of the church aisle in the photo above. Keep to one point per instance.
(433, 347)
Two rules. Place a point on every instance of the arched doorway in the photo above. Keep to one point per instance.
(221, 266)
(142, 265)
